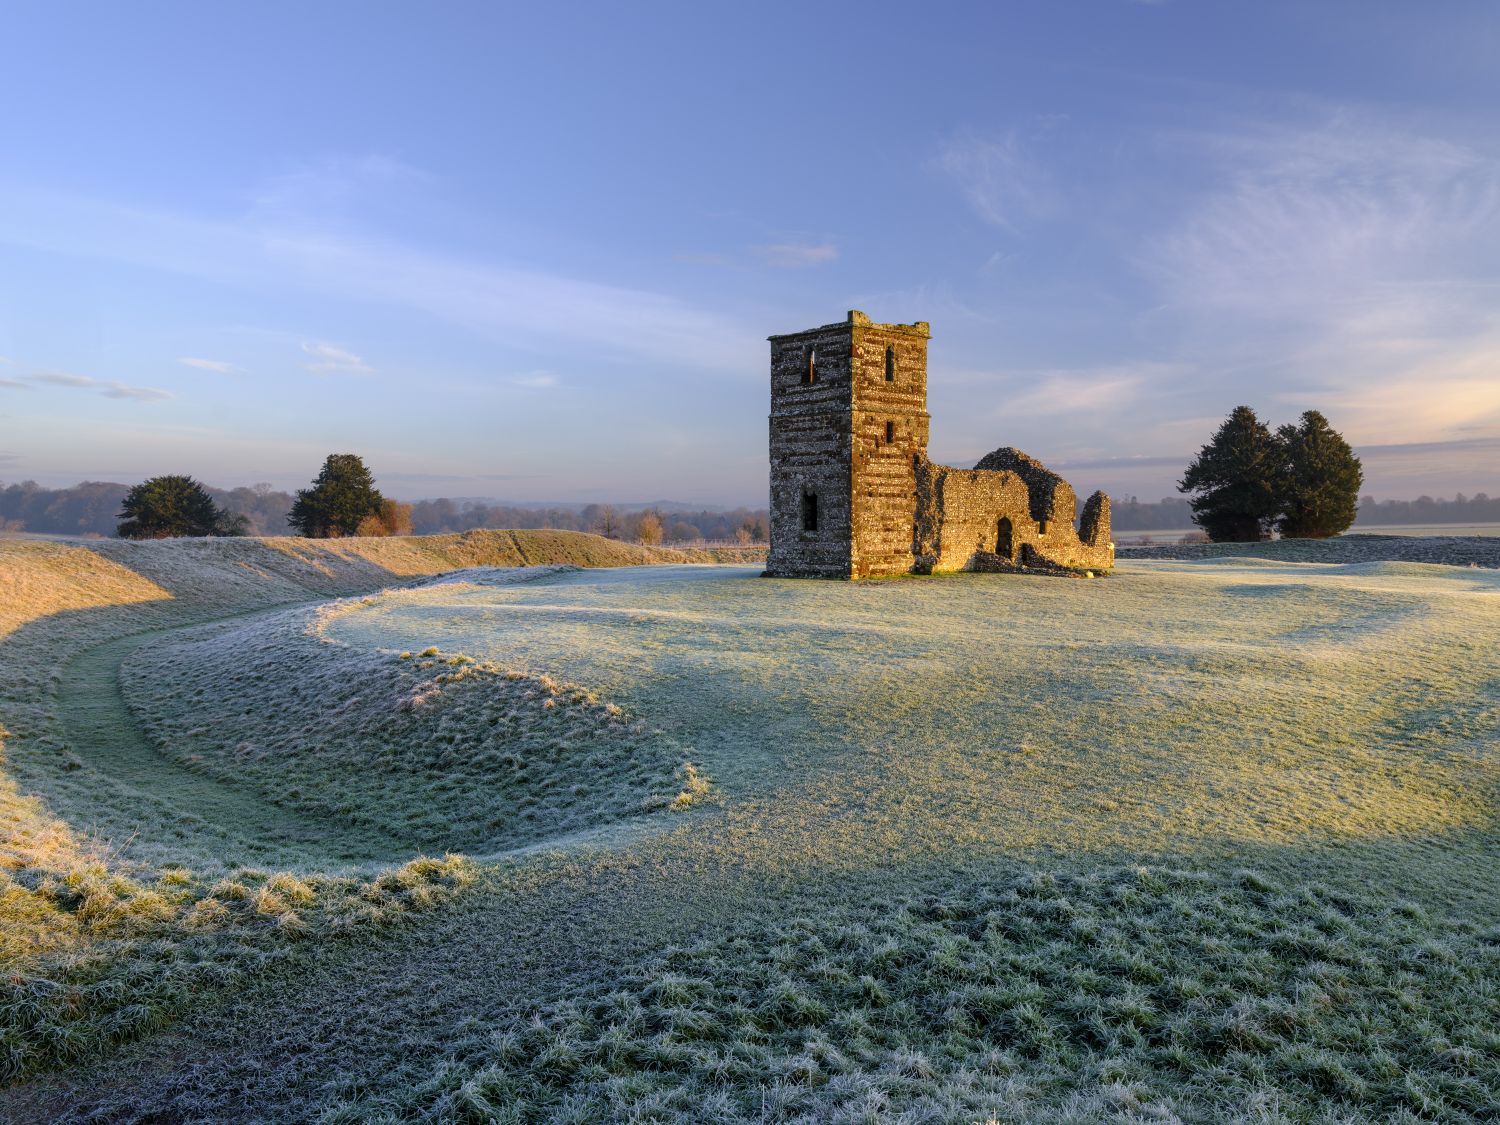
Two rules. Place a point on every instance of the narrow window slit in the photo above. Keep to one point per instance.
(809, 511)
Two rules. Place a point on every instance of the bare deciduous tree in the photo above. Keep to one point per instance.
(648, 531)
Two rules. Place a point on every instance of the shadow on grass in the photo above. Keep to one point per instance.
(560, 933)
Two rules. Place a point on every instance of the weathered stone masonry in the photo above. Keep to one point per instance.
(853, 494)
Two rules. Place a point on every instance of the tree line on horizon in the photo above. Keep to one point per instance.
(94, 508)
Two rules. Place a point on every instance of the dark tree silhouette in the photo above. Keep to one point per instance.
(1236, 480)
(170, 506)
(1320, 480)
(342, 496)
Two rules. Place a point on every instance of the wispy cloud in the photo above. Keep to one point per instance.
(140, 394)
(1174, 461)
(526, 307)
(324, 190)
(218, 366)
(330, 360)
(63, 379)
(797, 255)
(536, 380)
(1349, 264)
(14, 385)
(1099, 390)
(1327, 212)
(108, 389)
(1003, 184)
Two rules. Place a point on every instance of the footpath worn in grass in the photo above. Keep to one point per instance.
(1205, 842)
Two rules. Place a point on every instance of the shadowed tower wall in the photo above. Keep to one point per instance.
(848, 425)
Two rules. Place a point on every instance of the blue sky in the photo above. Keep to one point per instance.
(533, 252)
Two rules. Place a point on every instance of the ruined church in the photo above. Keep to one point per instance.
(853, 494)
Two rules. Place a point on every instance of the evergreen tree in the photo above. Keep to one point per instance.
(1237, 480)
(165, 507)
(342, 496)
(1320, 480)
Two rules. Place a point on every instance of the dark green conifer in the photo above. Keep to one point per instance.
(170, 506)
(1236, 480)
(1320, 481)
(342, 496)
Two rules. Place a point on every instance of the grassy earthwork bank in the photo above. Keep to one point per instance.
(300, 833)
(122, 883)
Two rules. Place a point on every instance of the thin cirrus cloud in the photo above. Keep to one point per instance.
(1354, 254)
(107, 388)
(536, 380)
(520, 305)
(1330, 211)
(1001, 182)
(218, 366)
(797, 255)
(330, 360)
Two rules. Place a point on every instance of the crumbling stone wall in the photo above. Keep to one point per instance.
(848, 435)
(960, 513)
(1024, 518)
(1051, 497)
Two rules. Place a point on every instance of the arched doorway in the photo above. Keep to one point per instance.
(1004, 541)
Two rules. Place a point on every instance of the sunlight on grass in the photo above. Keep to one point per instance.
(1166, 709)
(40, 579)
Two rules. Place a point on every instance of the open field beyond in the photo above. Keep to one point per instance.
(302, 835)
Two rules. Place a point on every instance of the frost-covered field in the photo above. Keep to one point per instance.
(431, 749)
(1206, 841)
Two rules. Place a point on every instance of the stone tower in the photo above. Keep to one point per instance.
(848, 432)
(853, 494)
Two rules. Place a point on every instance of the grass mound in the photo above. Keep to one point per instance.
(99, 939)
(1136, 994)
(144, 948)
(435, 748)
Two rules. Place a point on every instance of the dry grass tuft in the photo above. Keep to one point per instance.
(141, 951)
